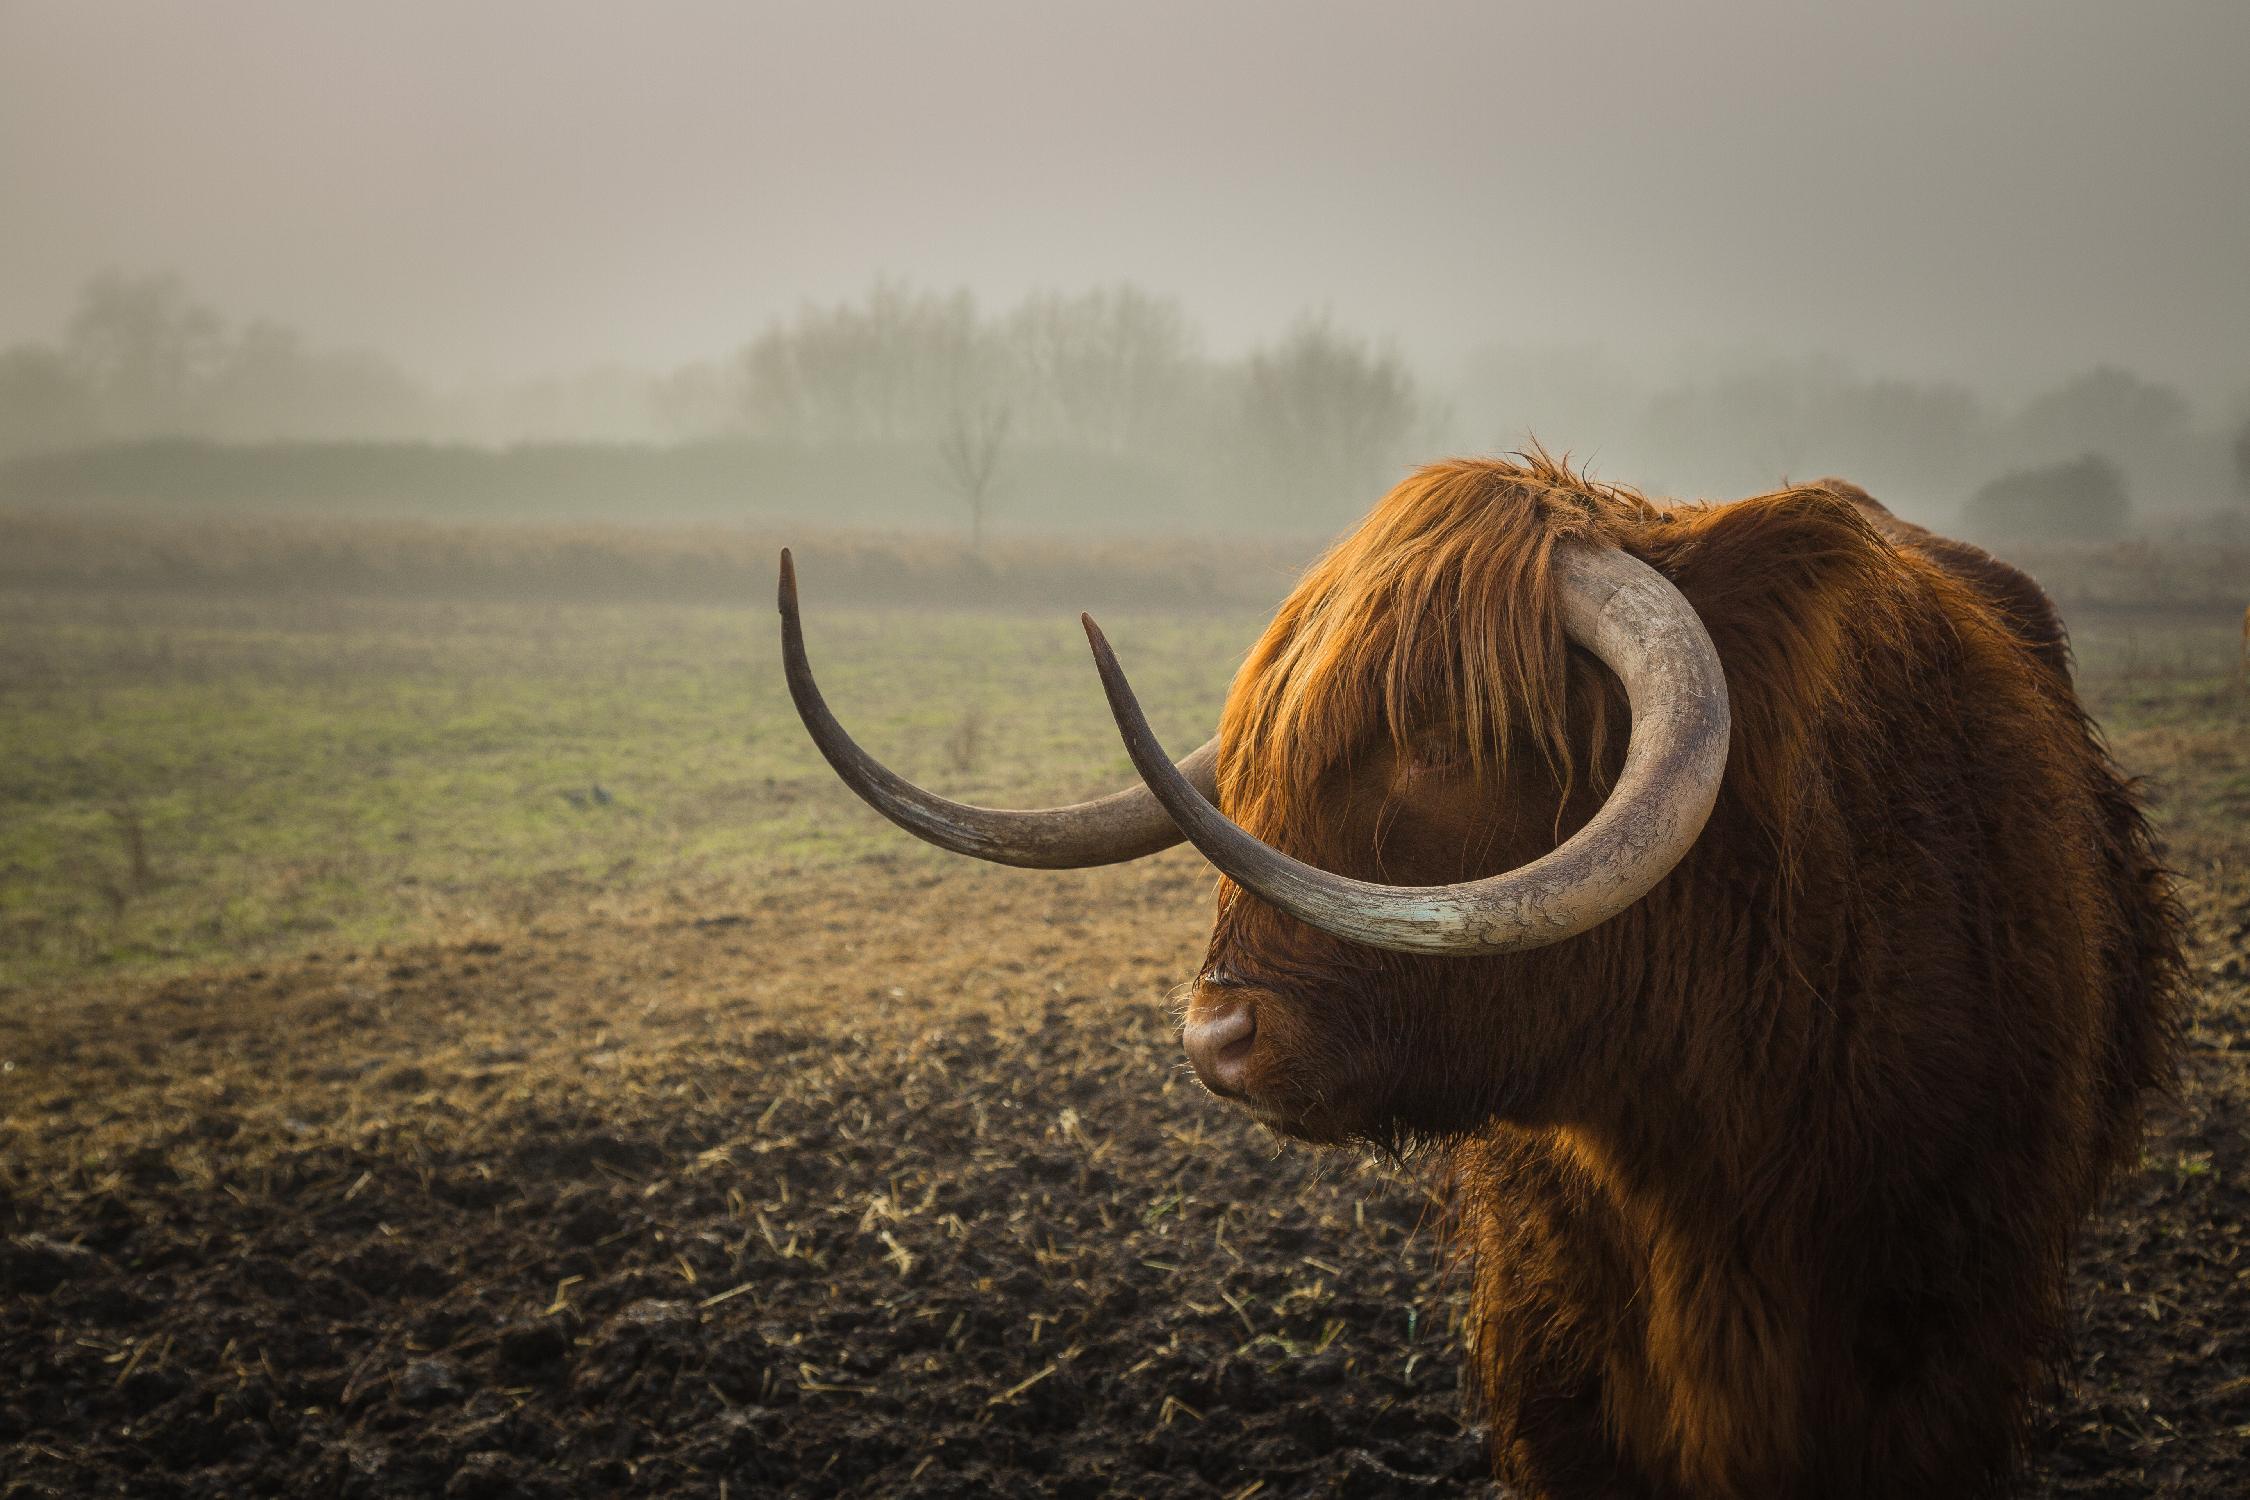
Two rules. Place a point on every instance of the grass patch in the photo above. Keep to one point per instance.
(186, 780)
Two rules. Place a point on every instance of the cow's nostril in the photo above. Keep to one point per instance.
(1218, 1042)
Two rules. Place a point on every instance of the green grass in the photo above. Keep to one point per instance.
(189, 781)
(192, 780)
(2166, 694)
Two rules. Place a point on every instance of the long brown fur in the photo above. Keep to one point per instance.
(1769, 1182)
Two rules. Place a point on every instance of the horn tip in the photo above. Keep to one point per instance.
(788, 595)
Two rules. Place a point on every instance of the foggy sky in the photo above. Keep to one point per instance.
(2000, 193)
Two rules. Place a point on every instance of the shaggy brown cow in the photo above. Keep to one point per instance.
(1775, 1057)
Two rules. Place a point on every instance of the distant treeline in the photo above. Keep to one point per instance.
(1092, 411)
(1065, 411)
(2186, 576)
(611, 564)
(598, 563)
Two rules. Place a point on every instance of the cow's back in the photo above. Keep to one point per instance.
(2007, 588)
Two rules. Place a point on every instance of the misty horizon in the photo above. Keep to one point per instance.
(1175, 268)
(1582, 360)
(1996, 199)
(1100, 410)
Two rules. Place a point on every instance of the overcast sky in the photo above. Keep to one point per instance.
(1993, 192)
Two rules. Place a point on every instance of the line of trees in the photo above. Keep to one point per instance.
(2080, 500)
(1303, 429)
(1066, 410)
(1114, 370)
(141, 357)
(1925, 447)
(980, 411)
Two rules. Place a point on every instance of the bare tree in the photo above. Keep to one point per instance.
(1107, 368)
(1327, 418)
(883, 371)
(970, 452)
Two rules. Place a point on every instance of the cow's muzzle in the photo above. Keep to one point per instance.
(1221, 1035)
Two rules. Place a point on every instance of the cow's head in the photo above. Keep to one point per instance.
(1478, 728)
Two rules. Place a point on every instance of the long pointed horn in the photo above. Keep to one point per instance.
(1630, 616)
(1122, 826)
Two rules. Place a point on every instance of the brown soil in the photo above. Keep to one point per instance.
(800, 1200)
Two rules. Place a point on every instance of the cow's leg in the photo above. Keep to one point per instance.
(1556, 1446)
(1550, 1275)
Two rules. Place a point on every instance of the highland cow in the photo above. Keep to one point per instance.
(1733, 899)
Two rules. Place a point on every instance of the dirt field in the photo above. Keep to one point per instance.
(883, 1176)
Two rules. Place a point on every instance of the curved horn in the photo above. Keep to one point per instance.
(1630, 616)
(1122, 826)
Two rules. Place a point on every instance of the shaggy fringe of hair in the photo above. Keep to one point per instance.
(1437, 612)
(1434, 627)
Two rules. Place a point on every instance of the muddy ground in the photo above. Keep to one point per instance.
(694, 1207)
